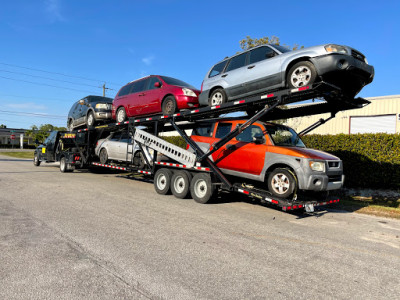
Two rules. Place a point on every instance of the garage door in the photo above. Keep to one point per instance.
(373, 124)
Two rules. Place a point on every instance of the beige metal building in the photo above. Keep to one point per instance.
(382, 115)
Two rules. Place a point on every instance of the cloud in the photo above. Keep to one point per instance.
(53, 10)
(148, 60)
(28, 107)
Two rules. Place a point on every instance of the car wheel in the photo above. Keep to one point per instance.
(281, 183)
(162, 181)
(217, 97)
(36, 161)
(121, 115)
(169, 106)
(70, 125)
(180, 184)
(103, 156)
(90, 119)
(301, 74)
(138, 160)
(201, 188)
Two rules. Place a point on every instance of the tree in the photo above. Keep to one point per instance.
(3, 126)
(249, 42)
(42, 132)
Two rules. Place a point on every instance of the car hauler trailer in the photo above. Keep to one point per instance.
(193, 172)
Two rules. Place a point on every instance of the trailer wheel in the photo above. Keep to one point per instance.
(281, 183)
(180, 184)
(64, 167)
(162, 181)
(36, 161)
(103, 156)
(301, 74)
(201, 188)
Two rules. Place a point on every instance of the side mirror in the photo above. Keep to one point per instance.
(259, 139)
(270, 54)
(157, 84)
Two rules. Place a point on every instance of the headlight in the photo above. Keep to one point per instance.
(317, 166)
(188, 92)
(335, 48)
(102, 105)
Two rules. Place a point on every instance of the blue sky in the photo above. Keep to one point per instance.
(119, 41)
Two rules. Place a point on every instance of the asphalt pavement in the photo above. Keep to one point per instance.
(83, 235)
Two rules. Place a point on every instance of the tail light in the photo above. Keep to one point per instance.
(187, 146)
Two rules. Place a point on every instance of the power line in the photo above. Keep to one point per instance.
(39, 115)
(62, 74)
(37, 76)
(30, 97)
(44, 84)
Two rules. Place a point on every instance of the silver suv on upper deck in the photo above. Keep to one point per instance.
(272, 67)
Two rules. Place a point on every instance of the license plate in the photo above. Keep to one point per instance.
(309, 207)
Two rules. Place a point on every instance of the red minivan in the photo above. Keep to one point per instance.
(153, 94)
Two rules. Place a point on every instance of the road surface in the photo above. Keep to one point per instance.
(104, 236)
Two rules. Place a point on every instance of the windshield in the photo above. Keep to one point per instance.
(281, 48)
(284, 136)
(99, 99)
(173, 81)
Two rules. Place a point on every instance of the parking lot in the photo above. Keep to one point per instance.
(105, 236)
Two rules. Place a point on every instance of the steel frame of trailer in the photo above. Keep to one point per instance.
(263, 105)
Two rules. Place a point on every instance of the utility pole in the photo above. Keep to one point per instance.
(104, 89)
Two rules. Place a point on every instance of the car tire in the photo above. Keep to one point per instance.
(282, 183)
(162, 181)
(139, 160)
(169, 106)
(90, 121)
(103, 155)
(36, 161)
(217, 97)
(301, 74)
(180, 184)
(201, 188)
(70, 125)
(120, 115)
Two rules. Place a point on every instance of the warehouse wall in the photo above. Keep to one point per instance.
(380, 106)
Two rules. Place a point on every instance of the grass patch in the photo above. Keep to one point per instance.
(25, 154)
(372, 206)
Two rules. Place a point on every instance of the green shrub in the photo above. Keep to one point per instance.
(176, 140)
(369, 160)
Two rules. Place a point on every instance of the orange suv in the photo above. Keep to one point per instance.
(270, 153)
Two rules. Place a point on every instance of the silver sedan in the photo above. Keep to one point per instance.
(118, 146)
